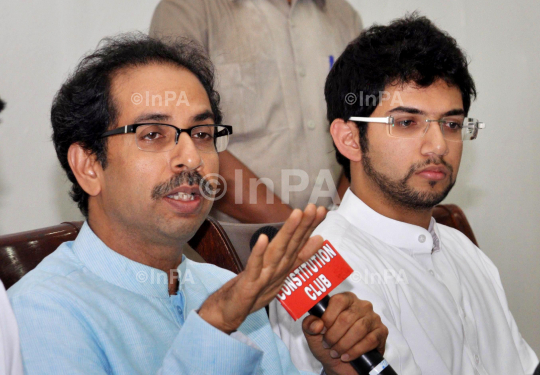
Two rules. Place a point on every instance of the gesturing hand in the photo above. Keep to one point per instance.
(266, 270)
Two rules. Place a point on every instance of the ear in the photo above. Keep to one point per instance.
(86, 168)
(347, 139)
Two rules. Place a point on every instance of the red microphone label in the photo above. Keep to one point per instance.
(313, 280)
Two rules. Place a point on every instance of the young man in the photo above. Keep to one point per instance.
(10, 354)
(121, 298)
(401, 145)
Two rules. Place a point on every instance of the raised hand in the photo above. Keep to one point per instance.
(266, 270)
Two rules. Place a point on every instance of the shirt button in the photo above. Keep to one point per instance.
(422, 238)
(311, 124)
(432, 273)
(302, 71)
(476, 359)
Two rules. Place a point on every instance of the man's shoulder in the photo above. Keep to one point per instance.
(460, 246)
(334, 225)
(455, 238)
(49, 274)
(341, 233)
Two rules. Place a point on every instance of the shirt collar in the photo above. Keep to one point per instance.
(411, 238)
(117, 269)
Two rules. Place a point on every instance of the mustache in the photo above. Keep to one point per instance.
(185, 177)
(435, 161)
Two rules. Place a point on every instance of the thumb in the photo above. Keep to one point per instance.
(314, 329)
(312, 325)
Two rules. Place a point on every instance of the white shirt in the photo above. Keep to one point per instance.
(10, 353)
(444, 305)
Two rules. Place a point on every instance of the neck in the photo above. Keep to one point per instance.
(131, 243)
(379, 203)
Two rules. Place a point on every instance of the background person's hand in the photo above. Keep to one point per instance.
(348, 328)
(266, 270)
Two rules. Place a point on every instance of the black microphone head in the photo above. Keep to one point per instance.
(270, 232)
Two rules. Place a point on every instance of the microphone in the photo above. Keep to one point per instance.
(306, 289)
(270, 232)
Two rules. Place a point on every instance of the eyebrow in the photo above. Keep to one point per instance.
(203, 116)
(416, 111)
(152, 117)
(161, 117)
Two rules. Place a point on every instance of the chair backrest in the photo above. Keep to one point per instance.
(22, 252)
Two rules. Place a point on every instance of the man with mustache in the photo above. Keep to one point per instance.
(137, 128)
(400, 145)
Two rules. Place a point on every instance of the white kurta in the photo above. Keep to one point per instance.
(444, 305)
(10, 353)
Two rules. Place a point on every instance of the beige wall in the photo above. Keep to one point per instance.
(41, 41)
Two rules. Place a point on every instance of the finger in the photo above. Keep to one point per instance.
(337, 304)
(320, 214)
(313, 326)
(256, 259)
(374, 340)
(343, 337)
(315, 341)
(308, 250)
(294, 245)
(282, 238)
(279, 274)
(343, 324)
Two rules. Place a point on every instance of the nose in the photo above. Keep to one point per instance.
(434, 142)
(184, 155)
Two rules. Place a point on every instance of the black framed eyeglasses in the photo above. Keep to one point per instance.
(155, 137)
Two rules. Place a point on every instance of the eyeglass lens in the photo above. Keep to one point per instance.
(161, 137)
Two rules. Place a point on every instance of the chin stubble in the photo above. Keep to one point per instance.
(400, 194)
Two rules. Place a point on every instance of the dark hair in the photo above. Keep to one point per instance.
(409, 49)
(2, 105)
(83, 108)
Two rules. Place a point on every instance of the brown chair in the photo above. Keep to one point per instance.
(22, 252)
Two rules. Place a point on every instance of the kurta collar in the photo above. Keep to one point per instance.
(408, 237)
(117, 269)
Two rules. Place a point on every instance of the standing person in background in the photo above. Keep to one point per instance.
(272, 58)
(10, 354)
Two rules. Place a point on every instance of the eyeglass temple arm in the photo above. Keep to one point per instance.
(383, 120)
(121, 130)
